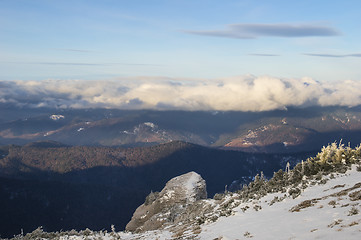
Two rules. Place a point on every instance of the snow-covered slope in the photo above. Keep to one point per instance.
(328, 210)
(322, 211)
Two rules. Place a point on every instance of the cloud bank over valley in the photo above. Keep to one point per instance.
(245, 93)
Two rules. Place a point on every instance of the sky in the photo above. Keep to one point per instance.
(183, 41)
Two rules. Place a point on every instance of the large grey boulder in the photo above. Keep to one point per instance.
(163, 208)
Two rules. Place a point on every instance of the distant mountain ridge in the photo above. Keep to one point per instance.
(291, 130)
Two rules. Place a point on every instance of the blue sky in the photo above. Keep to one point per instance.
(104, 39)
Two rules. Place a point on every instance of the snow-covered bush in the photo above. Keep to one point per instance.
(332, 158)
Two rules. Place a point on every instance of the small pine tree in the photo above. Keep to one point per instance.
(288, 168)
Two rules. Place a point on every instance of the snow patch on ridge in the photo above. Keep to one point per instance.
(56, 117)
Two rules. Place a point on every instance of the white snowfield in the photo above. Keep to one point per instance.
(322, 211)
(329, 218)
(56, 117)
(194, 182)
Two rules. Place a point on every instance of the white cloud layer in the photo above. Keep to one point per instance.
(247, 93)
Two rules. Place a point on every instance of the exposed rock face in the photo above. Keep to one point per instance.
(163, 208)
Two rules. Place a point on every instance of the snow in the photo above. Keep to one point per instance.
(168, 195)
(194, 182)
(321, 221)
(56, 117)
(150, 124)
(129, 133)
(159, 235)
(328, 218)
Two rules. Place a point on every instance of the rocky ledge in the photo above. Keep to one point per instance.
(169, 206)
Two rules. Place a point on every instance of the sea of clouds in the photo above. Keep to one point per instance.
(244, 93)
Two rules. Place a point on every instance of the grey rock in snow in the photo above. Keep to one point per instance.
(163, 208)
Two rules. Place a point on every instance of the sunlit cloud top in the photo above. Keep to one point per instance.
(247, 93)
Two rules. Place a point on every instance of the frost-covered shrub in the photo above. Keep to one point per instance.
(39, 233)
(353, 211)
(201, 220)
(86, 232)
(218, 196)
(338, 155)
(355, 196)
(36, 234)
(332, 158)
(247, 235)
(277, 182)
(311, 167)
(318, 176)
(294, 192)
(331, 153)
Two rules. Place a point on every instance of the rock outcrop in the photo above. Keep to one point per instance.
(163, 208)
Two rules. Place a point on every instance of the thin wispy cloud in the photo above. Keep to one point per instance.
(73, 50)
(84, 64)
(263, 55)
(249, 93)
(252, 31)
(59, 63)
(70, 64)
(333, 55)
(97, 64)
(139, 64)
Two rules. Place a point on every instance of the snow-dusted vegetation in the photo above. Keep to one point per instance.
(322, 205)
(318, 199)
